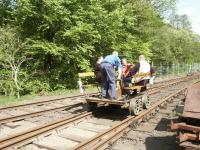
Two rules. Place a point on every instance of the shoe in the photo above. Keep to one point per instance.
(113, 99)
(101, 97)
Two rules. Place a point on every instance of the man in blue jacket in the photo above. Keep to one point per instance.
(108, 74)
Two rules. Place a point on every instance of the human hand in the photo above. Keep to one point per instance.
(119, 78)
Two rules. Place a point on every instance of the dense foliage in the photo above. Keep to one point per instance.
(45, 43)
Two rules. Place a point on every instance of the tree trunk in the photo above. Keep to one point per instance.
(16, 83)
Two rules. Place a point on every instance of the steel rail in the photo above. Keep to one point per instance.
(42, 102)
(174, 79)
(173, 82)
(28, 135)
(37, 113)
(101, 140)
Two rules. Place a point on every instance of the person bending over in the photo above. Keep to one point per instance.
(108, 74)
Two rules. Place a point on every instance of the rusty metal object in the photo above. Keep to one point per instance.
(188, 122)
(189, 136)
(187, 132)
(184, 126)
(192, 102)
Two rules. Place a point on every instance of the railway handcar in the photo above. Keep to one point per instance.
(133, 97)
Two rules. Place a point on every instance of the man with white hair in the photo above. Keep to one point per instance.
(108, 74)
(142, 67)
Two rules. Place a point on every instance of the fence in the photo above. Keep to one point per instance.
(164, 72)
(168, 71)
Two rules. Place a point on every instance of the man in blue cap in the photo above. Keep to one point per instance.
(108, 74)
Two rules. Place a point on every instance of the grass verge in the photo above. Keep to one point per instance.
(11, 100)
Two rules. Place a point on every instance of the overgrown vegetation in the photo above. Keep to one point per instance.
(45, 43)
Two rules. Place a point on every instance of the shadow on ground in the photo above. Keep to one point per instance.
(163, 125)
(162, 143)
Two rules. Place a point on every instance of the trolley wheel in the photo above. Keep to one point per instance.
(135, 106)
(145, 101)
(91, 106)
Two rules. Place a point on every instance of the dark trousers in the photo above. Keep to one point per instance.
(107, 75)
(127, 81)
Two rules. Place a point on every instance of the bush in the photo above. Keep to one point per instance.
(36, 87)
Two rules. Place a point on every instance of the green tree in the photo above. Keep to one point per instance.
(12, 57)
(66, 37)
(180, 22)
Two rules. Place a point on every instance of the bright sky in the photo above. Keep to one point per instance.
(192, 9)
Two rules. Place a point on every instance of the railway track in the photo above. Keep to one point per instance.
(63, 99)
(35, 109)
(34, 112)
(60, 102)
(19, 112)
(86, 131)
(104, 139)
(43, 101)
(14, 119)
(27, 121)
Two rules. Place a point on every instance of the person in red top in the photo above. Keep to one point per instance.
(126, 72)
(126, 67)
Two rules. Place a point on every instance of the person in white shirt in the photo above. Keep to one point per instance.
(142, 67)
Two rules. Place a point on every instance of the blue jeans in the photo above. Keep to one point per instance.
(107, 76)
